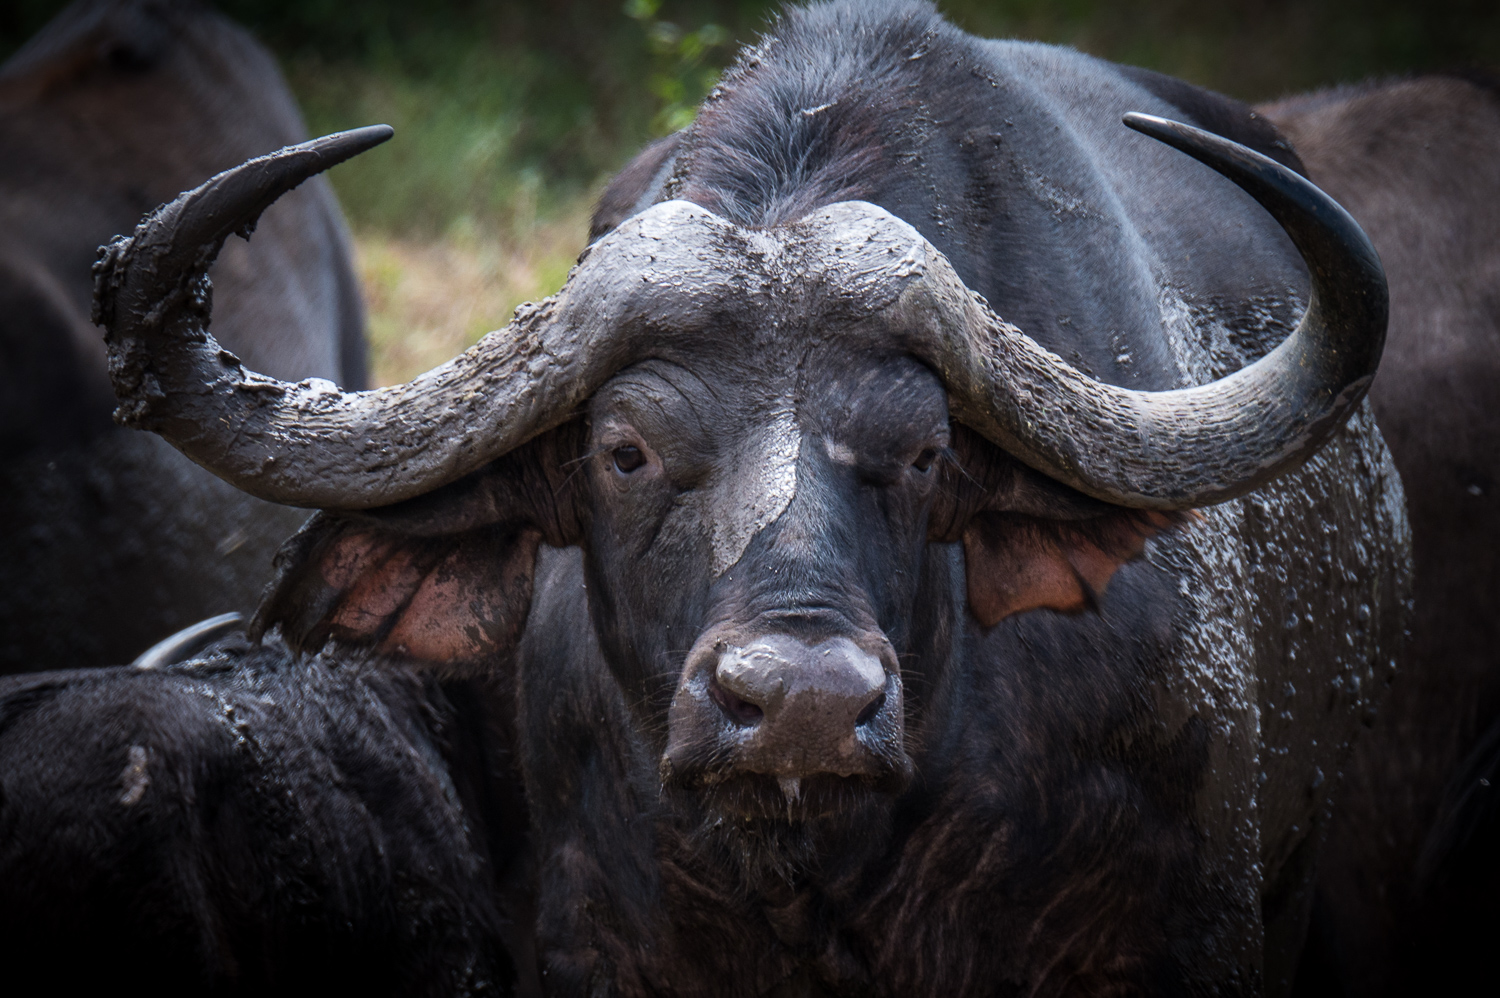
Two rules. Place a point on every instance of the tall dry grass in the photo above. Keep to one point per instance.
(430, 297)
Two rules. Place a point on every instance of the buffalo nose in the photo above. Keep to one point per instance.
(806, 702)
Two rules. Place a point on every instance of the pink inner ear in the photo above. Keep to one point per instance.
(1017, 563)
(456, 614)
(448, 618)
(350, 557)
(442, 601)
(376, 595)
(1011, 569)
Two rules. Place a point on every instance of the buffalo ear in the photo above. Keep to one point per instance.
(453, 601)
(1016, 562)
(443, 579)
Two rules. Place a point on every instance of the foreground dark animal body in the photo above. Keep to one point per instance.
(272, 827)
(1405, 900)
(802, 682)
(113, 540)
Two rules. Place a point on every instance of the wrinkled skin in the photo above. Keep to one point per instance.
(1406, 893)
(114, 540)
(1011, 740)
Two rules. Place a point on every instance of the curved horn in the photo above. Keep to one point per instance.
(667, 270)
(1192, 446)
(311, 444)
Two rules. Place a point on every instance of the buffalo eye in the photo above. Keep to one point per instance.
(924, 460)
(628, 459)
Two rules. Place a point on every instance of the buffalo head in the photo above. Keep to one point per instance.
(755, 435)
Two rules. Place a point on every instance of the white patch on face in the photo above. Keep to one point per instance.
(838, 453)
(761, 484)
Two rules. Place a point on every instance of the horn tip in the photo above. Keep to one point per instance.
(1153, 125)
(368, 136)
(341, 146)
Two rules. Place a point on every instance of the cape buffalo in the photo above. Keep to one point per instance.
(764, 614)
(1408, 888)
(112, 539)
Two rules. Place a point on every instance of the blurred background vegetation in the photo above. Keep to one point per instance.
(510, 116)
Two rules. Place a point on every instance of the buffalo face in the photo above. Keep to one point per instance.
(756, 564)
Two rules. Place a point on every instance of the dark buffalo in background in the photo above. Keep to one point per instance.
(1409, 881)
(1119, 787)
(111, 540)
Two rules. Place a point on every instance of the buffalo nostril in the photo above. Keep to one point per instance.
(868, 714)
(739, 710)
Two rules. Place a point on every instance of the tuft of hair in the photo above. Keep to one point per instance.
(802, 119)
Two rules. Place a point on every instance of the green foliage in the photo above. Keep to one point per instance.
(505, 116)
(679, 78)
(509, 112)
(1255, 50)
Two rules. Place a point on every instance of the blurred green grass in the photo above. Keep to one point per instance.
(509, 117)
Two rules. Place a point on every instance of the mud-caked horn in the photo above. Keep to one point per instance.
(672, 272)
(1163, 450)
(312, 444)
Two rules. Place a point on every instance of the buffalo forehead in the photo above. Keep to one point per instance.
(682, 270)
(750, 426)
(777, 317)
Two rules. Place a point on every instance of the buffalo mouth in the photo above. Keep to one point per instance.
(768, 842)
(758, 797)
(781, 726)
